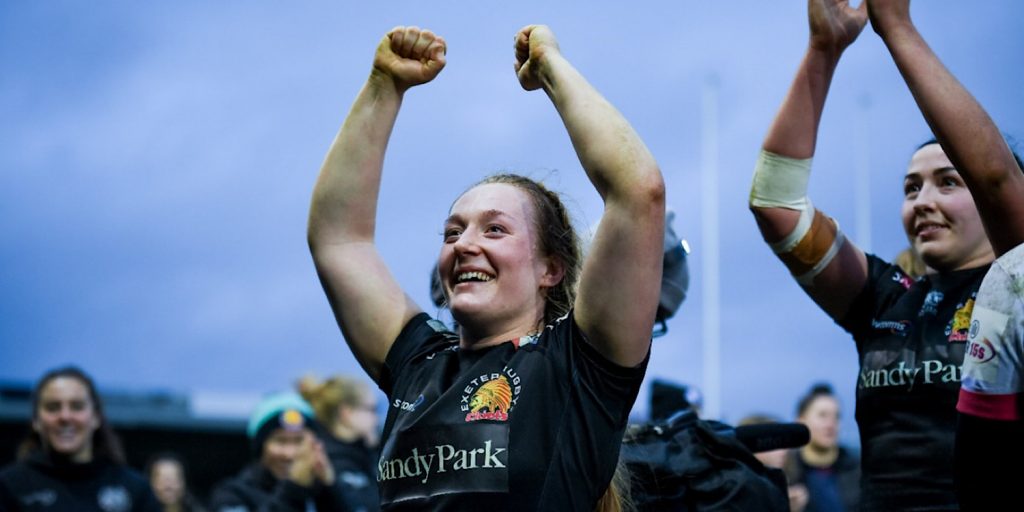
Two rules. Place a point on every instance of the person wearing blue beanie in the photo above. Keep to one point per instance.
(290, 472)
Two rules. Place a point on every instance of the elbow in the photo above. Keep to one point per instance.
(650, 188)
(313, 236)
(757, 211)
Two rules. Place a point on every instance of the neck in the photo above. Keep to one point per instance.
(467, 341)
(819, 456)
(83, 456)
(474, 336)
(487, 328)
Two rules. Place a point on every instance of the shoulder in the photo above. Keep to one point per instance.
(233, 485)
(130, 478)
(15, 475)
(13, 470)
(883, 274)
(420, 339)
(20, 474)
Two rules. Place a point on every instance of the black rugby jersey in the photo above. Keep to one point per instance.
(529, 424)
(910, 340)
(39, 484)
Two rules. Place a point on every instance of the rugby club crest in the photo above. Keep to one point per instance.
(491, 396)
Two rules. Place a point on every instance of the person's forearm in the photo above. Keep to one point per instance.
(610, 151)
(794, 131)
(345, 197)
(970, 138)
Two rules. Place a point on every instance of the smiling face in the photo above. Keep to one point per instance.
(939, 214)
(490, 266)
(66, 418)
(280, 450)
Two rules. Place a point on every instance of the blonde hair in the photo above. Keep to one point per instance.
(618, 497)
(911, 263)
(328, 395)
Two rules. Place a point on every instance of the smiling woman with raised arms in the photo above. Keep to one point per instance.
(524, 407)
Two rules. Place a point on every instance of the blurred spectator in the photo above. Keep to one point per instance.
(347, 408)
(291, 472)
(167, 476)
(777, 459)
(72, 460)
(830, 472)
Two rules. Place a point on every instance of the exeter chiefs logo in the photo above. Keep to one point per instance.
(960, 324)
(491, 396)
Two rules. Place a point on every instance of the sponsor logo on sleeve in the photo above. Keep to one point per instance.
(904, 280)
(987, 338)
(981, 352)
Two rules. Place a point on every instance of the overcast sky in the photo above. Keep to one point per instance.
(157, 159)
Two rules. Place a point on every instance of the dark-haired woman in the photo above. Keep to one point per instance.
(990, 425)
(910, 334)
(524, 408)
(72, 460)
(828, 471)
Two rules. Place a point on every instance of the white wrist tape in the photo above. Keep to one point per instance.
(780, 182)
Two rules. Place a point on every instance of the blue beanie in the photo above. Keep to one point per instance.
(285, 410)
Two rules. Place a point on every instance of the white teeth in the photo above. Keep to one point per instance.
(473, 276)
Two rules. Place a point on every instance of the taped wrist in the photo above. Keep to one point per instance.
(780, 182)
(811, 246)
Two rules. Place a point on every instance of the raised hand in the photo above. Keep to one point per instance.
(533, 45)
(322, 468)
(835, 24)
(311, 463)
(410, 56)
(885, 14)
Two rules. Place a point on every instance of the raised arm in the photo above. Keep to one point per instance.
(831, 269)
(368, 304)
(967, 134)
(619, 284)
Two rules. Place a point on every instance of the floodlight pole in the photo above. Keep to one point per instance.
(709, 252)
